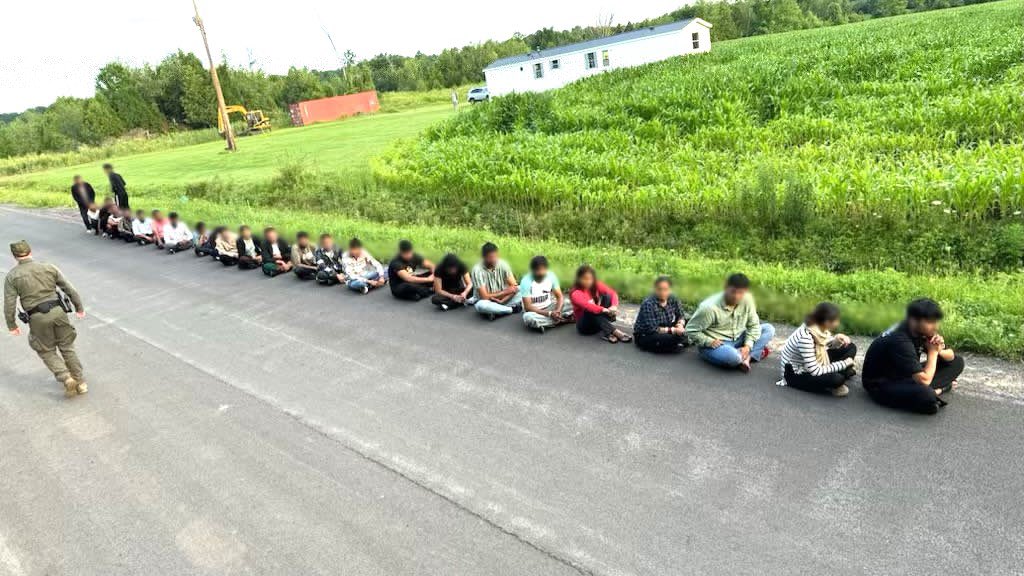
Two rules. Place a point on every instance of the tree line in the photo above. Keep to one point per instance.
(177, 94)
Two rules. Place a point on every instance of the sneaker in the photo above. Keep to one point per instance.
(491, 317)
(70, 387)
(541, 330)
(517, 309)
(841, 391)
(141, 243)
(170, 250)
(365, 289)
(82, 388)
(764, 353)
(444, 307)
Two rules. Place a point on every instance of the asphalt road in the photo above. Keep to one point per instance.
(244, 425)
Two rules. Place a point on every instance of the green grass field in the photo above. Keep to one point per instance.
(320, 178)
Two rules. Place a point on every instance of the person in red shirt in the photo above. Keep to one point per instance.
(595, 307)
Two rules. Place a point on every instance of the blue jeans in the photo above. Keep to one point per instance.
(728, 354)
(361, 282)
(486, 307)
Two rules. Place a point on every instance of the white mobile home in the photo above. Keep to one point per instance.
(556, 67)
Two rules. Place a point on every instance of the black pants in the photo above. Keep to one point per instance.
(127, 237)
(825, 382)
(439, 301)
(590, 324)
(661, 343)
(205, 250)
(410, 291)
(227, 260)
(304, 273)
(247, 263)
(327, 277)
(910, 396)
(84, 210)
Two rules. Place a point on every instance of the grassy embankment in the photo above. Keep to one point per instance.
(318, 178)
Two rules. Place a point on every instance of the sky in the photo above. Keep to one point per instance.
(54, 48)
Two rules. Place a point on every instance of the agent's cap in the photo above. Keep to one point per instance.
(20, 249)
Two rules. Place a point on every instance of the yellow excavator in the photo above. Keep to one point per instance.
(255, 121)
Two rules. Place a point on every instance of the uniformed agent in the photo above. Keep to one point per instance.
(51, 334)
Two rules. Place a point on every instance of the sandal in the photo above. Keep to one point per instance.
(611, 339)
(625, 338)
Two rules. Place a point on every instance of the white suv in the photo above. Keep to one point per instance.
(478, 95)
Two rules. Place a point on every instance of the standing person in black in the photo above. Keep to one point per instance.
(894, 374)
(452, 284)
(117, 187)
(83, 195)
(407, 280)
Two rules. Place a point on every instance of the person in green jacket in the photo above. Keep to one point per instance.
(727, 329)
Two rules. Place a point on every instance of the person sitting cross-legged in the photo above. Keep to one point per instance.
(894, 375)
(329, 269)
(596, 306)
(126, 227)
(225, 248)
(142, 228)
(411, 276)
(544, 304)
(815, 360)
(177, 236)
(276, 253)
(110, 217)
(93, 216)
(250, 253)
(362, 271)
(452, 284)
(202, 240)
(303, 257)
(158, 223)
(727, 329)
(660, 324)
(497, 292)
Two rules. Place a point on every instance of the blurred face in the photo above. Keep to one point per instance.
(406, 255)
(491, 260)
(140, 215)
(327, 244)
(924, 328)
(303, 242)
(587, 280)
(246, 233)
(78, 179)
(662, 290)
(272, 236)
(539, 272)
(158, 215)
(356, 251)
(173, 221)
(734, 295)
(832, 325)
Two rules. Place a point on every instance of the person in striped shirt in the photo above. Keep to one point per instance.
(815, 360)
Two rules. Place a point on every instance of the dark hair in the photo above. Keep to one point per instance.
(200, 225)
(302, 235)
(243, 228)
(663, 279)
(404, 246)
(325, 236)
(583, 271)
(538, 262)
(488, 248)
(77, 177)
(823, 313)
(108, 166)
(451, 261)
(355, 243)
(155, 212)
(268, 230)
(924, 309)
(173, 215)
(738, 280)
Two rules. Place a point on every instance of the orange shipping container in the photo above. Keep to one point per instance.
(328, 109)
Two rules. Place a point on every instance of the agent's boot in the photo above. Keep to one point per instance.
(82, 388)
(71, 387)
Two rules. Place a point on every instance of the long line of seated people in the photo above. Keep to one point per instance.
(909, 367)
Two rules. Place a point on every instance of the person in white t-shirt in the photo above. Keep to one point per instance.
(142, 228)
(177, 236)
(544, 304)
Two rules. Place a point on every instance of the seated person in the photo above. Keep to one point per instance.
(159, 222)
(329, 270)
(815, 360)
(362, 271)
(93, 214)
(176, 235)
(126, 227)
(894, 375)
(727, 329)
(410, 275)
(303, 259)
(452, 285)
(201, 240)
(660, 324)
(110, 219)
(544, 305)
(225, 249)
(497, 292)
(595, 306)
(142, 229)
(276, 253)
(250, 253)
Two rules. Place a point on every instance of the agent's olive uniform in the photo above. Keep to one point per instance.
(51, 334)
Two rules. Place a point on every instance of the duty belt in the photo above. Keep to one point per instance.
(44, 307)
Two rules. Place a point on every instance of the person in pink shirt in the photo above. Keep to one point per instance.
(158, 228)
(595, 307)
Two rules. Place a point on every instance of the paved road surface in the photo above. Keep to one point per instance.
(243, 425)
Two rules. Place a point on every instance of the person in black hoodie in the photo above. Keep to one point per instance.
(276, 254)
(83, 195)
(117, 187)
(411, 276)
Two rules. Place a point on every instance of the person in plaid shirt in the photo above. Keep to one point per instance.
(660, 323)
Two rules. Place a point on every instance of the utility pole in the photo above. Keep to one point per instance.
(229, 134)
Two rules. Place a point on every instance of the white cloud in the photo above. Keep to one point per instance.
(55, 48)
